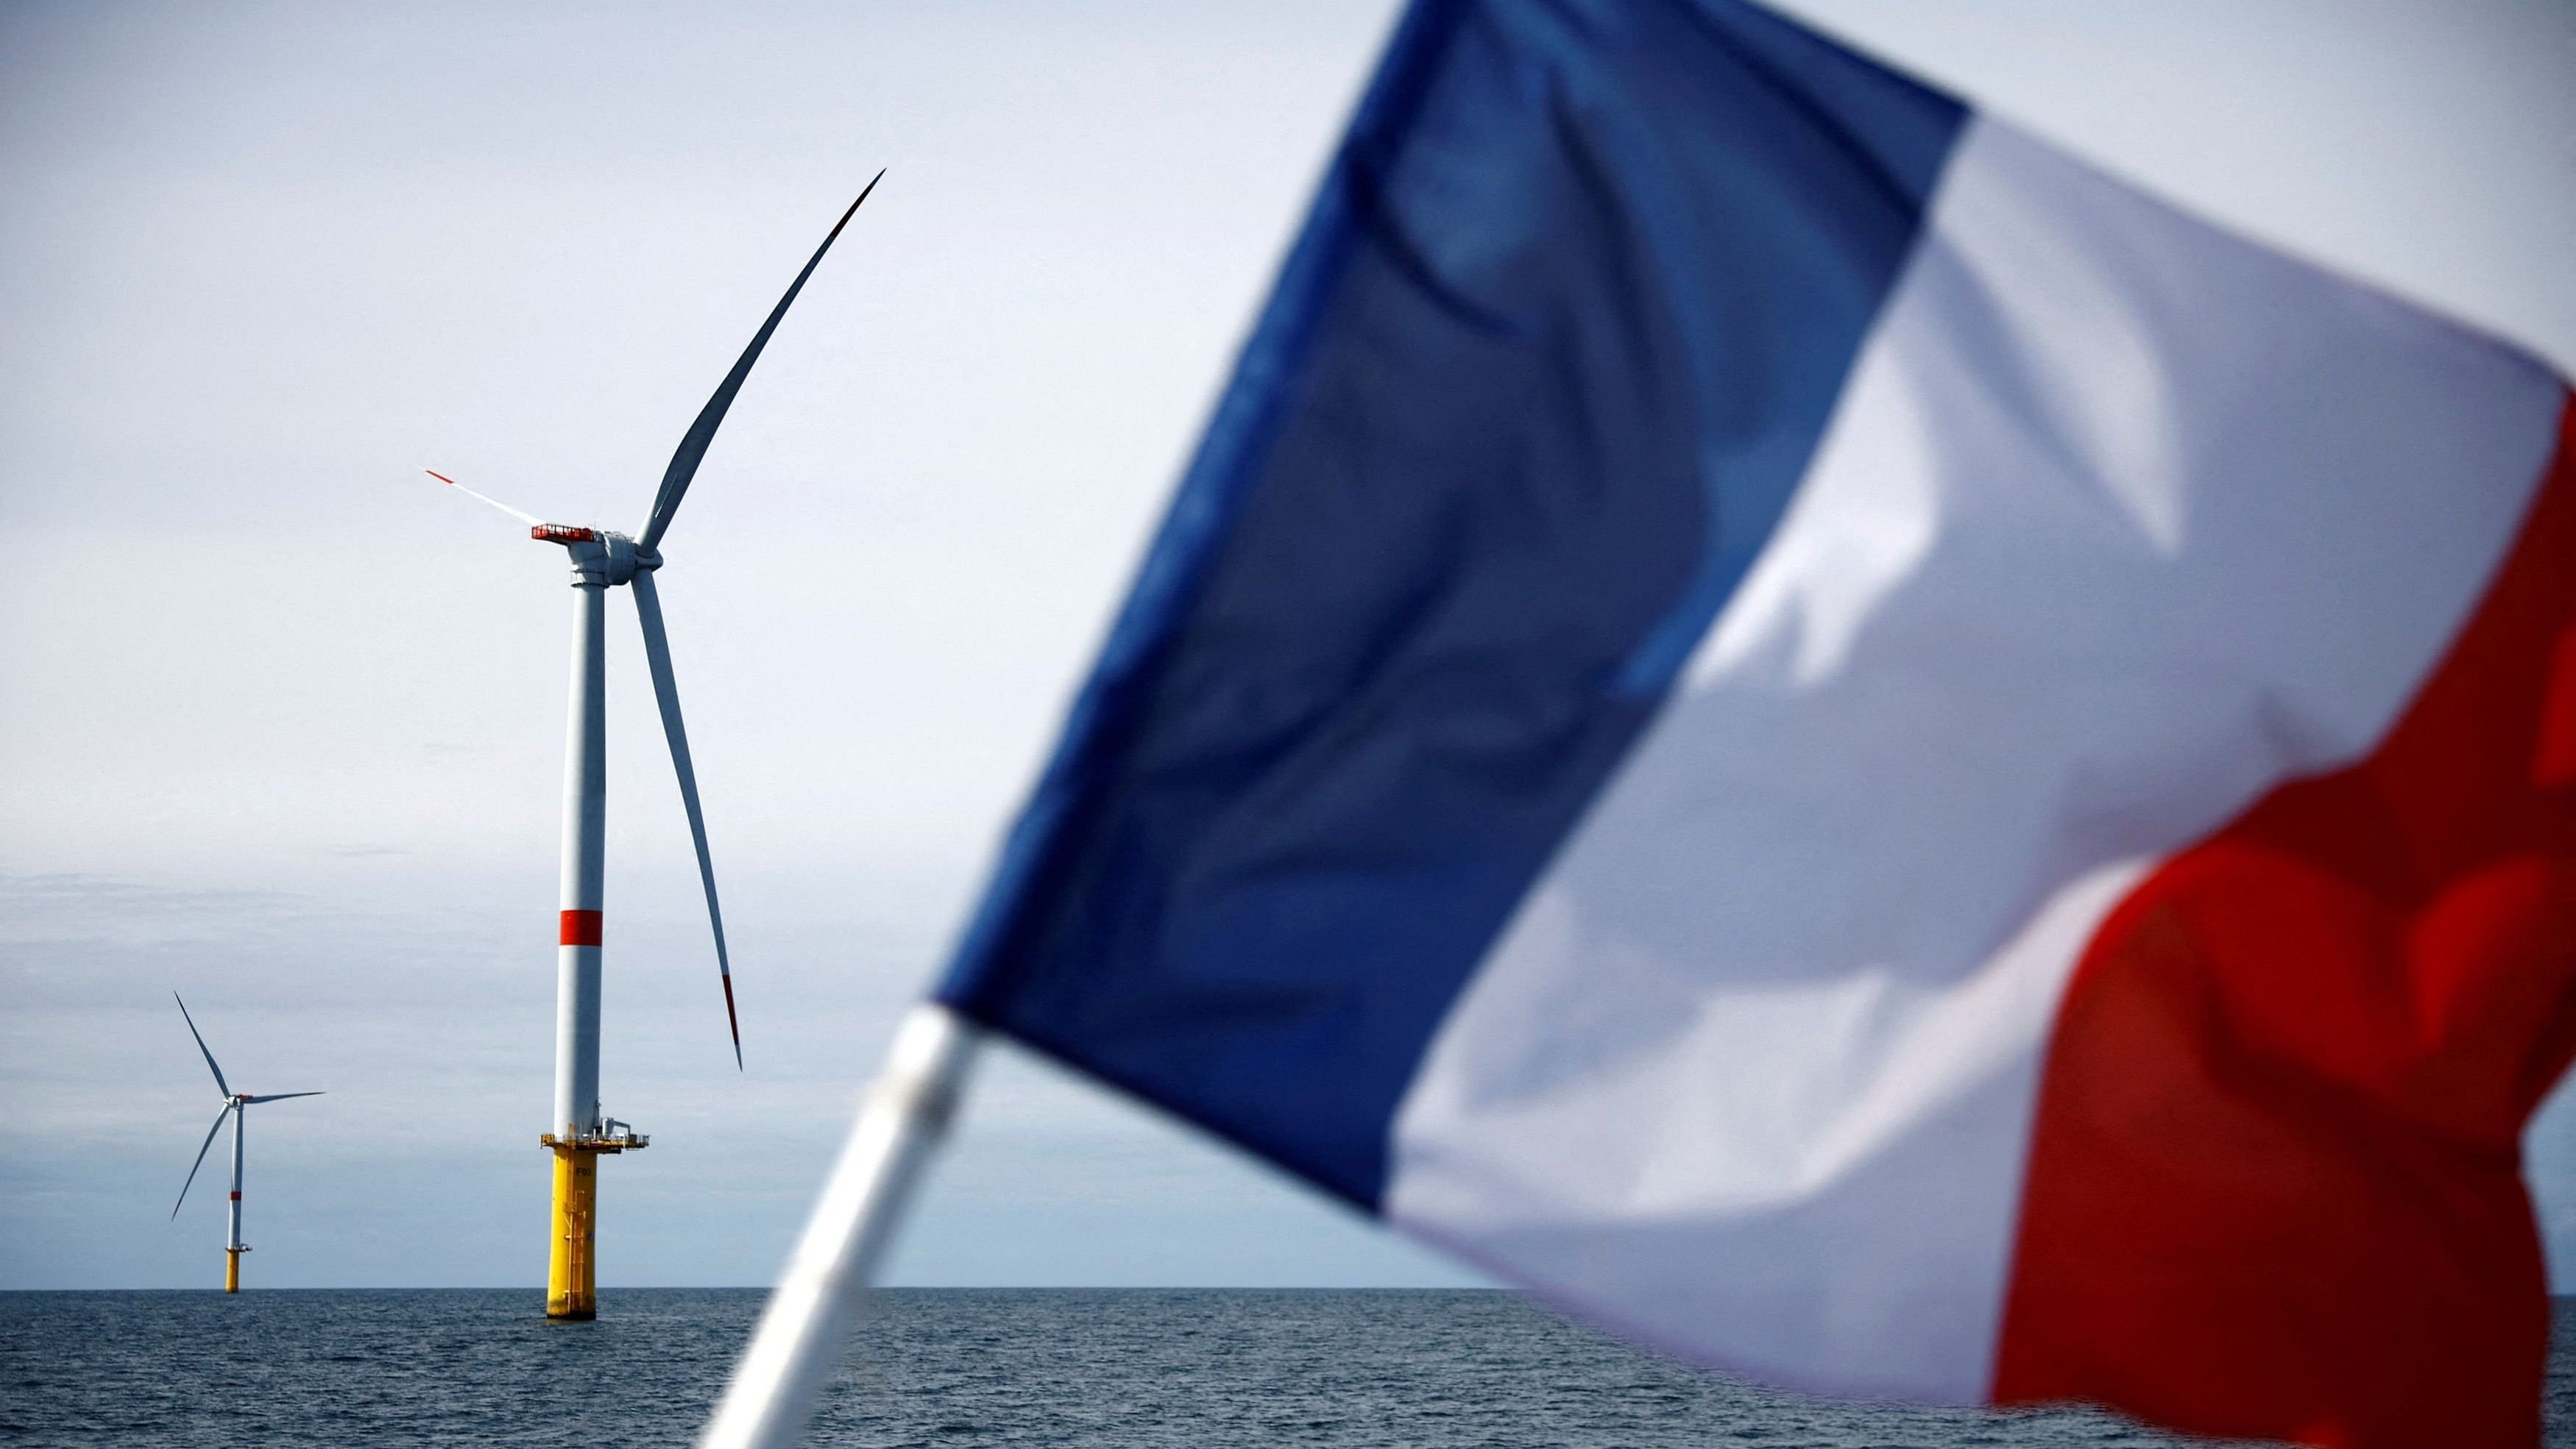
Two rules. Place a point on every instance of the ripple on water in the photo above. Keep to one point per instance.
(1135, 1369)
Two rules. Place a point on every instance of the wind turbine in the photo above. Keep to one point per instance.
(234, 1102)
(602, 560)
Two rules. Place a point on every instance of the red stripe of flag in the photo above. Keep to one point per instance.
(2275, 1180)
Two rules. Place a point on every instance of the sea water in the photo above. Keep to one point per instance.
(945, 1367)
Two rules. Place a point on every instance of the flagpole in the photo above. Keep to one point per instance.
(901, 1118)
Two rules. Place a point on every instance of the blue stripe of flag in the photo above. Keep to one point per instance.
(1555, 345)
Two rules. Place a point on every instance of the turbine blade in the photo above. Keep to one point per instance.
(281, 1096)
(201, 1047)
(693, 444)
(200, 1162)
(530, 519)
(666, 692)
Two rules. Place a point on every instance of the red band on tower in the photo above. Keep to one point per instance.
(578, 928)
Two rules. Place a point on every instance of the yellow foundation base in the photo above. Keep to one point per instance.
(232, 1271)
(572, 1282)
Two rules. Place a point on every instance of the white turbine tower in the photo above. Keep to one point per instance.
(234, 1102)
(602, 560)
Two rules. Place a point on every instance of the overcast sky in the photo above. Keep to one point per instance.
(281, 719)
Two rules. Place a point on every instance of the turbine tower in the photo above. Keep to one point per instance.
(602, 560)
(234, 1102)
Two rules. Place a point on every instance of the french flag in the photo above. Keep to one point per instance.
(1840, 743)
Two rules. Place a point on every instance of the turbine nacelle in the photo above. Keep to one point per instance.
(599, 556)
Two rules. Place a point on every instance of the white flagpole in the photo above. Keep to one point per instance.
(901, 1118)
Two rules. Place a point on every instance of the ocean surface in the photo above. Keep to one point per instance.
(945, 1367)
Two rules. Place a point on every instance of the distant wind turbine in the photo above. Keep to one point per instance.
(234, 1101)
(602, 560)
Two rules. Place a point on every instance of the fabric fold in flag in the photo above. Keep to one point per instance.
(1846, 746)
